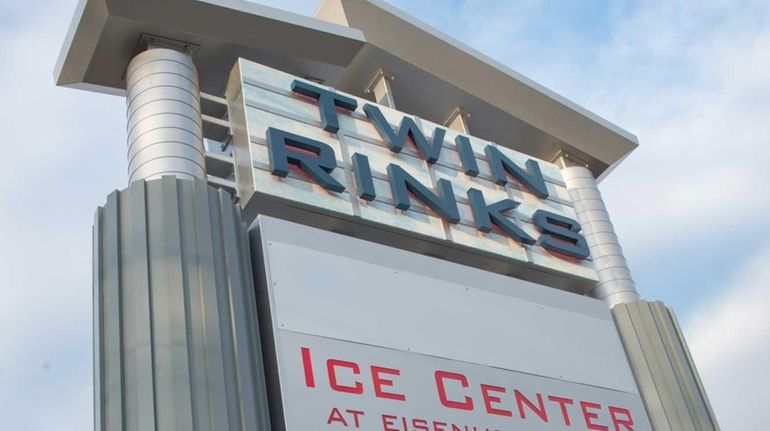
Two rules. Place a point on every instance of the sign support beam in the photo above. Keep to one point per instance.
(381, 89)
(458, 120)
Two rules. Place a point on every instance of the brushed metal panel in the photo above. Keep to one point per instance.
(168, 165)
(382, 210)
(169, 337)
(138, 366)
(98, 335)
(180, 150)
(491, 242)
(285, 103)
(111, 363)
(353, 290)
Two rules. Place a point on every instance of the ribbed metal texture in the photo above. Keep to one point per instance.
(165, 133)
(667, 378)
(176, 334)
(615, 282)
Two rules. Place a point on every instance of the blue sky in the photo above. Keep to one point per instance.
(689, 78)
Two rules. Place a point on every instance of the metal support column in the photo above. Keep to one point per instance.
(165, 132)
(615, 282)
(176, 340)
(657, 351)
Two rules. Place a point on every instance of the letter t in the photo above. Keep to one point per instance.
(328, 102)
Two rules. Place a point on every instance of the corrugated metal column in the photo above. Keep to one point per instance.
(665, 373)
(657, 351)
(176, 335)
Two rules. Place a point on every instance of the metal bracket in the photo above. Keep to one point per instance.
(147, 41)
(381, 74)
(463, 115)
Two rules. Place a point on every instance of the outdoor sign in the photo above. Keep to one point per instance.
(327, 150)
(369, 337)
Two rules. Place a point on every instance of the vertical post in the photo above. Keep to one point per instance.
(615, 282)
(458, 120)
(380, 88)
(165, 133)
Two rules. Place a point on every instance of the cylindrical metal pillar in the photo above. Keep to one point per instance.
(615, 282)
(165, 133)
(176, 337)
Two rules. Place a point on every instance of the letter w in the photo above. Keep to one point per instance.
(395, 141)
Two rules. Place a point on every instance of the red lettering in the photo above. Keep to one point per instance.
(356, 414)
(388, 421)
(563, 403)
(489, 399)
(617, 422)
(590, 416)
(439, 426)
(521, 400)
(420, 425)
(379, 382)
(308, 366)
(441, 376)
(331, 367)
(336, 416)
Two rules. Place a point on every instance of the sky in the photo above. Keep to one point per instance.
(690, 78)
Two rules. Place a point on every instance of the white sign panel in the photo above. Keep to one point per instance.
(335, 385)
(367, 162)
(374, 338)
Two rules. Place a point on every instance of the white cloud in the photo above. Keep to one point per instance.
(703, 130)
(730, 339)
(63, 152)
(689, 78)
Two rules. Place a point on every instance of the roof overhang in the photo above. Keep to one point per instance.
(104, 35)
(345, 46)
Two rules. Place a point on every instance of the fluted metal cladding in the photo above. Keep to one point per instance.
(667, 378)
(615, 282)
(165, 133)
(176, 335)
